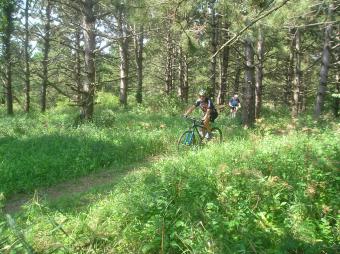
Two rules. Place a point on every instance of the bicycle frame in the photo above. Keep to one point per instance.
(196, 124)
(189, 137)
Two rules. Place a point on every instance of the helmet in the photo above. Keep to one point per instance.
(202, 92)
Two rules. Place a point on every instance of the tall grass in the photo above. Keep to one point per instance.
(269, 195)
(271, 189)
(266, 196)
(43, 149)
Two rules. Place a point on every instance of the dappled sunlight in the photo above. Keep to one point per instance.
(273, 184)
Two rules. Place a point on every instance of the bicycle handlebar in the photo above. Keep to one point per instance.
(194, 120)
(190, 118)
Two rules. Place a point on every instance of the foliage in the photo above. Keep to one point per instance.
(249, 197)
(54, 147)
(271, 189)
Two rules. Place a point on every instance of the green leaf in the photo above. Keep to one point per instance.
(179, 224)
(148, 247)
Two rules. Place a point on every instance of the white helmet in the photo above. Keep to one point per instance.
(202, 92)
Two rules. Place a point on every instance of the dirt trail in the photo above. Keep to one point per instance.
(80, 185)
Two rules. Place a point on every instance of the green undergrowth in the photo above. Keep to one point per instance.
(40, 150)
(263, 194)
(269, 189)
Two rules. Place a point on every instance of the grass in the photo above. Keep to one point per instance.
(271, 189)
(42, 150)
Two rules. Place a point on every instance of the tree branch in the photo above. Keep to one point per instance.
(60, 91)
(314, 24)
(232, 40)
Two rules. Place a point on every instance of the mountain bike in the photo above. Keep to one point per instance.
(193, 136)
(233, 111)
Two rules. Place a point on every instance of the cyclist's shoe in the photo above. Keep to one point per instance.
(208, 136)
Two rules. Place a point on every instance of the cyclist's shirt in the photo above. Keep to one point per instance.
(234, 102)
(205, 104)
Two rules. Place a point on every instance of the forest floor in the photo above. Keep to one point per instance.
(72, 187)
(75, 187)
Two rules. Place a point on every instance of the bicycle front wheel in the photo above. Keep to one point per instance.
(186, 141)
(215, 136)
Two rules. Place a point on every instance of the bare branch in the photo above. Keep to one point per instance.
(314, 24)
(232, 40)
(60, 91)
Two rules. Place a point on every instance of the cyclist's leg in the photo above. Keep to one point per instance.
(206, 128)
(200, 131)
(213, 116)
(232, 112)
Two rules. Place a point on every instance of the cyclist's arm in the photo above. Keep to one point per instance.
(188, 112)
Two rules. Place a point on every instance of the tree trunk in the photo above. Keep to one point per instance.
(213, 46)
(248, 113)
(89, 85)
(27, 61)
(236, 87)
(77, 72)
(224, 63)
(306, 80)
(336, 107)
(174, 62)
(297, 75)
(124, 53)
(259, 74)
(168, 67)
(186, 78)
(8, 31)
(180, 74)
(290, 71)
(337, 91)
(139, 63)
(46, 56)
(325, 59)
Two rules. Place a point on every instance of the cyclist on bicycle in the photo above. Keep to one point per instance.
(234, 103)
(208, 108)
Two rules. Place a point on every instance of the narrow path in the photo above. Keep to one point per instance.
(76, 186)
(80, 185)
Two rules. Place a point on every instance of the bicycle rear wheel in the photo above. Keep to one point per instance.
(186, 141)
(215, 136)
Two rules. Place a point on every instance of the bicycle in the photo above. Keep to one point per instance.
(193, 136)
(233, 111)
